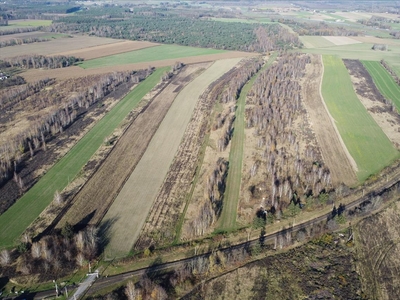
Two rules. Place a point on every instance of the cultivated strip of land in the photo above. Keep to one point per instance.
(108, 49)
(384, 81)
(364, 139)
(56, 46)
(97, 195)
(148, 55)
(19, 216)
(128, 212)
(33, 75)
(332, 149)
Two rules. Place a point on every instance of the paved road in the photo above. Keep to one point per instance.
(85, 285)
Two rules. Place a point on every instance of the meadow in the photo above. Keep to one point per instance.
(363, 51)
(384, 81)
(148, 55)
(13, 24)
(19, 216)
(364, 139)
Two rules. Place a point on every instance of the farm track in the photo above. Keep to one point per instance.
(333, 150)
(19, 216)
(108, 180)
(127, 215)
(166, 211)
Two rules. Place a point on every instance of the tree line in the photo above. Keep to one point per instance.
(16, 41)
(53, 256)
(41, 61)
(290, 162)
(171, 28)
(319, 29)
(68, 100)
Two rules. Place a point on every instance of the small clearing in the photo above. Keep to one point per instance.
(127, 214)
(341, 40)
(333, 150)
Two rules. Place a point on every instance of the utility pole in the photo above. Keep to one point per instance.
(55, 283)
(66, 292)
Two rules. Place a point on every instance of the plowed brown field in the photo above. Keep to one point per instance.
(91, 203)
(74, 71)
(129, 211)
(109, 49)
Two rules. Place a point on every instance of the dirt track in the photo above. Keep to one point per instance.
(331, 146)
(75, 71)
(98, 193)
(130, 209)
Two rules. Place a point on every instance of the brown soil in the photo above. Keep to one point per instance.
(175, 191)
(332, 148)
(34, 167)
(373, 101)
(106, 50)
(75, 71)
(94, 199)
(378, 243)
(74, 42)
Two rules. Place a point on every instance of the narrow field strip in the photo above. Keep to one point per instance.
(384, 81)
(127, 214)
(19, 216)
(148, 55)
(227, 220)
(364, 139)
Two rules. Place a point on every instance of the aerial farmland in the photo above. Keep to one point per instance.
(173, 147)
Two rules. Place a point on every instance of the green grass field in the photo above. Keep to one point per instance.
(364, 139)
(227, 221)
(363, 51)
(384, 81)
(25, 23)
(19, 216)
(147, 55)
(311, 41)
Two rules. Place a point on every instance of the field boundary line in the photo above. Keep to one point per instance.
(350, 158)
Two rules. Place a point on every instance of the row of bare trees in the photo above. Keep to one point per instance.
(290, 165)
(211, 207)
(276, 38)
(319, 29)
(66, 101)
(18, 30)
(52, 255)
(41, 61)
(16, 41)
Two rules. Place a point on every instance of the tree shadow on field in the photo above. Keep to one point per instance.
(105, 233)
(84, 222)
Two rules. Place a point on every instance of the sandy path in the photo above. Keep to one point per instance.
(75, 71)
(129, 211)
(333, 150)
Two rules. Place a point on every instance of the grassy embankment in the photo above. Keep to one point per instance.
(19, 216)
(364, 139)
(156, 53)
